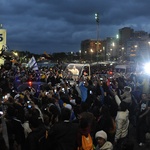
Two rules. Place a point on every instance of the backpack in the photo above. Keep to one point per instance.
(87, 143)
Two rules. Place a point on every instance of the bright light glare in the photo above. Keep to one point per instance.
(147, 68)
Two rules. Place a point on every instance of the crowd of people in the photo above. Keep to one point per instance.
(90, 114)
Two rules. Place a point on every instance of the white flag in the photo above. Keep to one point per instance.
(32, 64)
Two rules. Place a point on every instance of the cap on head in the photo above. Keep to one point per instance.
(101, 134)
(127, 88)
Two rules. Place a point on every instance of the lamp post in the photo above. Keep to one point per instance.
(122, 52)
(97, 22)
(71, 56)
(79, 55)
(113, 51)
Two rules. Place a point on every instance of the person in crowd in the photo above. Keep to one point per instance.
(102, 142)
(126, 96)
(145, 84)
(74, 70)
(137, 93)
(38, 132)
(83, 88)
(26, 125)
(107, 123)
(77, 107)
(118, 90)
(63, 135)
(122, 124)
(15, 130)
(141, 125)
(84, 134)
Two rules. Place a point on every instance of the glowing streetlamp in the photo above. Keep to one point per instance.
(113, 44)
(79, 54)
(135, 46)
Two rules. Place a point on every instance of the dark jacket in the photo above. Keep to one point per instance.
(63, 136)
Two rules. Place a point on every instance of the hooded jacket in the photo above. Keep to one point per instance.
(107, 146)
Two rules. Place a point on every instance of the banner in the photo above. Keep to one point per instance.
(2, 38)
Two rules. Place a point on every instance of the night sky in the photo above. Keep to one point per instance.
(61, 25)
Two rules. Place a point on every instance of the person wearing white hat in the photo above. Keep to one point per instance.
(102, 143)
(126, 96)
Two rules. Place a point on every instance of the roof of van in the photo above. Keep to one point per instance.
(77, 64)
(121, 66)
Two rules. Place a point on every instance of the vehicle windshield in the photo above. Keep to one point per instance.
(77, 70)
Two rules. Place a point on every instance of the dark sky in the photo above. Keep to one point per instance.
(61, 25)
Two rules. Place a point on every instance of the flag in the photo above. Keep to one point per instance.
(32, 64)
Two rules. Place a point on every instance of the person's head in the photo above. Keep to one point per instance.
(34, 122)
(74, 67)
(101, 137)
(127, 89)
(84, 123)
(65, 114)
(144, 96)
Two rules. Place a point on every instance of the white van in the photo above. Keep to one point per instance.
(125, 68)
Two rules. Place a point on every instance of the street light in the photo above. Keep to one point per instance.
(71, 56)
(91, 54)
(79, 54)
(97, 21)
